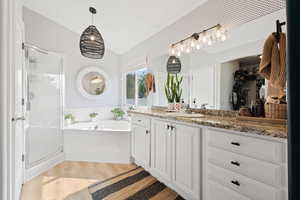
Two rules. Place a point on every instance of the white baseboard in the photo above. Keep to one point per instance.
(99, 159)
(39, 169)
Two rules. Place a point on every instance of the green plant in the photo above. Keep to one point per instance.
(118, 112)
(93, 115)
(169, 88)
(178, 93)
(69, 116)
(173, 90)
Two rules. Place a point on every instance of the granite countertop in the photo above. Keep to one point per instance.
(224, 122)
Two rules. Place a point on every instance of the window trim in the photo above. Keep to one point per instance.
(124, 95)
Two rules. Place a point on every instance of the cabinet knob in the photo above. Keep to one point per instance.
(168, 127)
(147, 132)
(172, 128)
(235, 143)
(235, 163)
(235, 183)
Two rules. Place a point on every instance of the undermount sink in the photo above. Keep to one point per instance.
(186, 115)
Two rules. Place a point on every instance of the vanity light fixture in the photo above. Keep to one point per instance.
(199, 40)
(91, 41)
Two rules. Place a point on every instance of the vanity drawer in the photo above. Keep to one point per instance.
(243, 185)
(219, 192)
(265, 172)
(141, 121)
(257, 148)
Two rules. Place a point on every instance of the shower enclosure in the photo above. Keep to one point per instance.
(44, 107)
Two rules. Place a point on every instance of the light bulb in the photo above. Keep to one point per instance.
(174, 61)
(192, 44)
(223, 37)
(182, 48)
(198, 46)
(92, 37)
(209, 42)
(204, 39)
(188, 50)
(218, 33)
(173, 51)
(179, 54)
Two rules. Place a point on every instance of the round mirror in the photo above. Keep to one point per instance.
(92, 82)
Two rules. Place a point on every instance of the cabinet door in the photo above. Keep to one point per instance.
(186, 159)
(161, 149)
(141, 143)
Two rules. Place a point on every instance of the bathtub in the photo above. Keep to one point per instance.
(102, 125)
(105, 141)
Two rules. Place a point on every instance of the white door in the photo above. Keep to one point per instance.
(18, 113)
(161, 149)
(186, 159)
(141, 145)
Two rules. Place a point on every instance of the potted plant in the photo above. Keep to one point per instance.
(69, 118)
(178, 92)
(173, 91)
(169, 91)
(118, 113)
(93, 116)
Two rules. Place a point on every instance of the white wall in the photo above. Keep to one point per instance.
(245, 40)
(46, 34)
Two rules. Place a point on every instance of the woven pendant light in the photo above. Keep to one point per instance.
(91, 41)
(173, 65)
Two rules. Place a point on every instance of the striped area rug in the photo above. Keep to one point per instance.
(136, 184)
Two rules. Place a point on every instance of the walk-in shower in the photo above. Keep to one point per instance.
(44, 107)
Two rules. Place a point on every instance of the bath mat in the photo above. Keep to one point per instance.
(136, 184)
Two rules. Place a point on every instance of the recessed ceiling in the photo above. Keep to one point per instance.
(122, 23)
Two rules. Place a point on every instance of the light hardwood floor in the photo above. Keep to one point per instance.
(68, 178)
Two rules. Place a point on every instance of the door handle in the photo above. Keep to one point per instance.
(19, 119)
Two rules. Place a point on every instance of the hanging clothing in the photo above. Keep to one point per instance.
(150, 83)
(273, 65)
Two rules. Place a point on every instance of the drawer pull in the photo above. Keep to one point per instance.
(235, 143)
(139, 120)
(168, 127)
(235, 163)
(235, 183)
(172, 128)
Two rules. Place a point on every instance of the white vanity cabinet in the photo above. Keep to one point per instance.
(186, 157)
(244, 166)
(206, 163)
(161, 149)
(140, 141)
(175, 156)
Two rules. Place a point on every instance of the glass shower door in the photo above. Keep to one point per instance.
(44, 137)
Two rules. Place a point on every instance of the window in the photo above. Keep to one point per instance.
(135, 88)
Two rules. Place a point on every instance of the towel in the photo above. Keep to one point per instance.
(150, 83)
(273, 65)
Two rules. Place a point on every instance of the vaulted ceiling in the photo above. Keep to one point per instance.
(123, 23)
(126, 23)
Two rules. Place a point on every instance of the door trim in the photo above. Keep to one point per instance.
(10, 11)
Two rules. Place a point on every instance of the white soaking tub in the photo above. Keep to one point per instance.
(104, 141)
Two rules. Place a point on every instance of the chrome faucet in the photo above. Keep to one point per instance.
(203, 106)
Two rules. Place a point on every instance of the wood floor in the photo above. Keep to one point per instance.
(69, 178)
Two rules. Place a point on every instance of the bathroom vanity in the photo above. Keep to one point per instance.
(211, 157)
